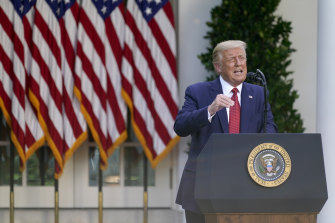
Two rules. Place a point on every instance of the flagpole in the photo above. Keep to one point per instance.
(100, 195)
(42, 159)
(56, 200)
(145, 189)
(11, 170)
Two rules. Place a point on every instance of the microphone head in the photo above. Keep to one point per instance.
(251, 74)
(254, 77)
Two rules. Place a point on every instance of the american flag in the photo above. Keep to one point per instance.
(98, 65)
(52, 81)
(75, 129)
(150, 76)
(16, 21)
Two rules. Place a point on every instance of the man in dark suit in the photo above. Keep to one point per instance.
(225, 105)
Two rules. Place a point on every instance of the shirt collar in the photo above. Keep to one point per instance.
(226, 87)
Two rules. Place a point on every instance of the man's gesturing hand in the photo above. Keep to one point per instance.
(221, 101)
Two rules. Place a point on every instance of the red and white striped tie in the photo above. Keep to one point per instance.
(234, 114)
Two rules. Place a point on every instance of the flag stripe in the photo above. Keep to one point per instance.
(116, 23)
(87, 81)
(169, 13)
(8, 98)
(154, 47)
(20, 118)
(49, 39)
(149, 76)
(94, 36)
(28, 35)
(7, 84)
(113, 82)
(98, 64)
(164, 46)
(159, 126)
(34, 137)
(47, 78)
(165, 116)
(160, 83)
(90, 74)
(75, 119)
(41, 32)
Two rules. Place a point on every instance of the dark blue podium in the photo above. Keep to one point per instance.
(225, 191)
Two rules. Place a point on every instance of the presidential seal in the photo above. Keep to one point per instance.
(269, 165)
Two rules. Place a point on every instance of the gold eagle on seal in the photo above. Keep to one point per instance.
(269, 163)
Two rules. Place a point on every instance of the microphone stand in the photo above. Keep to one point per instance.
(259, 76)
(265, 86)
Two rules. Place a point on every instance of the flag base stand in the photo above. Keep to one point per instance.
(56, 204)
(11, 207)
(145, 189)
(145, 207)
(100, 207)
(11, 176)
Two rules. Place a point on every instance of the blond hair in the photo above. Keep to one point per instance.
(226, 45)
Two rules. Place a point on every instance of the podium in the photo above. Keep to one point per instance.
(226, 192)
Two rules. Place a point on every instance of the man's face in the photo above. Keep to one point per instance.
(234, 66)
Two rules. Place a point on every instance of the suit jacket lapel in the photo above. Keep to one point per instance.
(247, 99)
(222, 114)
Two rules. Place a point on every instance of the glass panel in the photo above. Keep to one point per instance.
(5, 167)
(134, 161)
(5, 156)
(111, 175)
(4, 129)
(40, 168)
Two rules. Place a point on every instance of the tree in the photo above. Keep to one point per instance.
(269, 49)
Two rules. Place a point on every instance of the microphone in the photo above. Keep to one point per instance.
(259, 76)
(254, 77)
(251, 75)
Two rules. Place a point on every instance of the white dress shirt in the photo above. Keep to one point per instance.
(227, 90)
